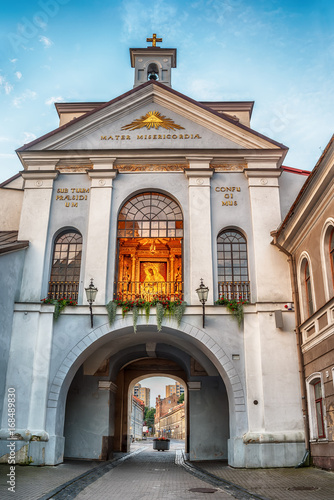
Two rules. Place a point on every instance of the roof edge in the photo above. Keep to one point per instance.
(168, 89)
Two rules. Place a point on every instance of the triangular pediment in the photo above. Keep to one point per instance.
(152, 117)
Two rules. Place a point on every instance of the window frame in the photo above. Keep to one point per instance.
(327, 235)
(316, 379)
(303, 291)
(60, 286)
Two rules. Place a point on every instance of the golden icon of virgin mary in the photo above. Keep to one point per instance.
(154, 283)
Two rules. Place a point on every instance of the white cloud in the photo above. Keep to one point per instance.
(5, 85)
(8, 88)
(13, 60)
(28, 137)
(46, 41)
(18, 75)
(52, 100)
(4, 139)
(27, 95)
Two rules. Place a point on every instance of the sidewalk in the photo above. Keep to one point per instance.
(306, 483)
(146, 473)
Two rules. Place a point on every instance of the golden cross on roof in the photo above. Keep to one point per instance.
(154, 40)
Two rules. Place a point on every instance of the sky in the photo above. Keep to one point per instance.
(276, 53)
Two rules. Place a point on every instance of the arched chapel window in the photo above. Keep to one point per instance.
(66, 262)
(233, 280)
(150, 236)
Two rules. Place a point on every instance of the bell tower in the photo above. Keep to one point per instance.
(153, 63)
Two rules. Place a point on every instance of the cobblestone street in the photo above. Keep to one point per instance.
(164, 475)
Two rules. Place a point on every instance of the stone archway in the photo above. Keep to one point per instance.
(126, 378)
(205, 349)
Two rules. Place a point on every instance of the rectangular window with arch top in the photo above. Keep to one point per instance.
(319, 409)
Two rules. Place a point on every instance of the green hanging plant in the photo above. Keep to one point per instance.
(164, 307)
(179, 312)
(234, 306)
(160, 315)
(135, 314)
(111, 310)
(60, 305)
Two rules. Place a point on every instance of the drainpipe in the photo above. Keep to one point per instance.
(295, 297)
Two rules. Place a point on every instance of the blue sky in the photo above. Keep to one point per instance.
(277, 53)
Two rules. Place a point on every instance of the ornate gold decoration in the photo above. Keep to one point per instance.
(153, 242)
(152, 119)
(154, 40)
(228, 166)
(151, 168)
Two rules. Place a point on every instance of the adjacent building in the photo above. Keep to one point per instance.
(177, 389)
(137, 418)
(172, 424)
(306, 236)
(142, 393)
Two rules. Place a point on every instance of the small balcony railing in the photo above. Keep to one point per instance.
(63, 290)
(131, 290)
(234, 290)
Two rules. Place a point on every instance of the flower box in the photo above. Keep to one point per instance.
(161, 444)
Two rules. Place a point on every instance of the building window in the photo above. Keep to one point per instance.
(233, 281)
(66, 262)
(319, 409)
(316, 407)
(150, 243)
(327, 257)
(331, 254)
(308, 289)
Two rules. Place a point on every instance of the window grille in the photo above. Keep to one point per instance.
(233, 280)
(150, 215)
(66, 262)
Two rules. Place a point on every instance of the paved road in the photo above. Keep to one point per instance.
(150, 475)
(147, 474)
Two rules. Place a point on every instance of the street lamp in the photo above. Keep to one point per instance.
(202, 292)
(91, 292)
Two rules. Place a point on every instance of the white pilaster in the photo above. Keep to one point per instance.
(99, 225)
(34, 226)
(200, 226)
(272, 281)
(40, 372)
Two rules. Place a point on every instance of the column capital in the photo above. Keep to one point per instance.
(199, 177)
(41, 164)
(262, 177)
(36, 179)
(199, 161)
(106, 385)
(102, 178)
(104, 163)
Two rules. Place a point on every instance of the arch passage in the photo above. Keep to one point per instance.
(150, 235)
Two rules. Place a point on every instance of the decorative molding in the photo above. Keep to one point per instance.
(75, 169)
(105, 385)
(226, 167)
(178, 167)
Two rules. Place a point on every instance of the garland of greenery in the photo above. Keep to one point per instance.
(59, 304)
(234, 306)
(164, 307)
